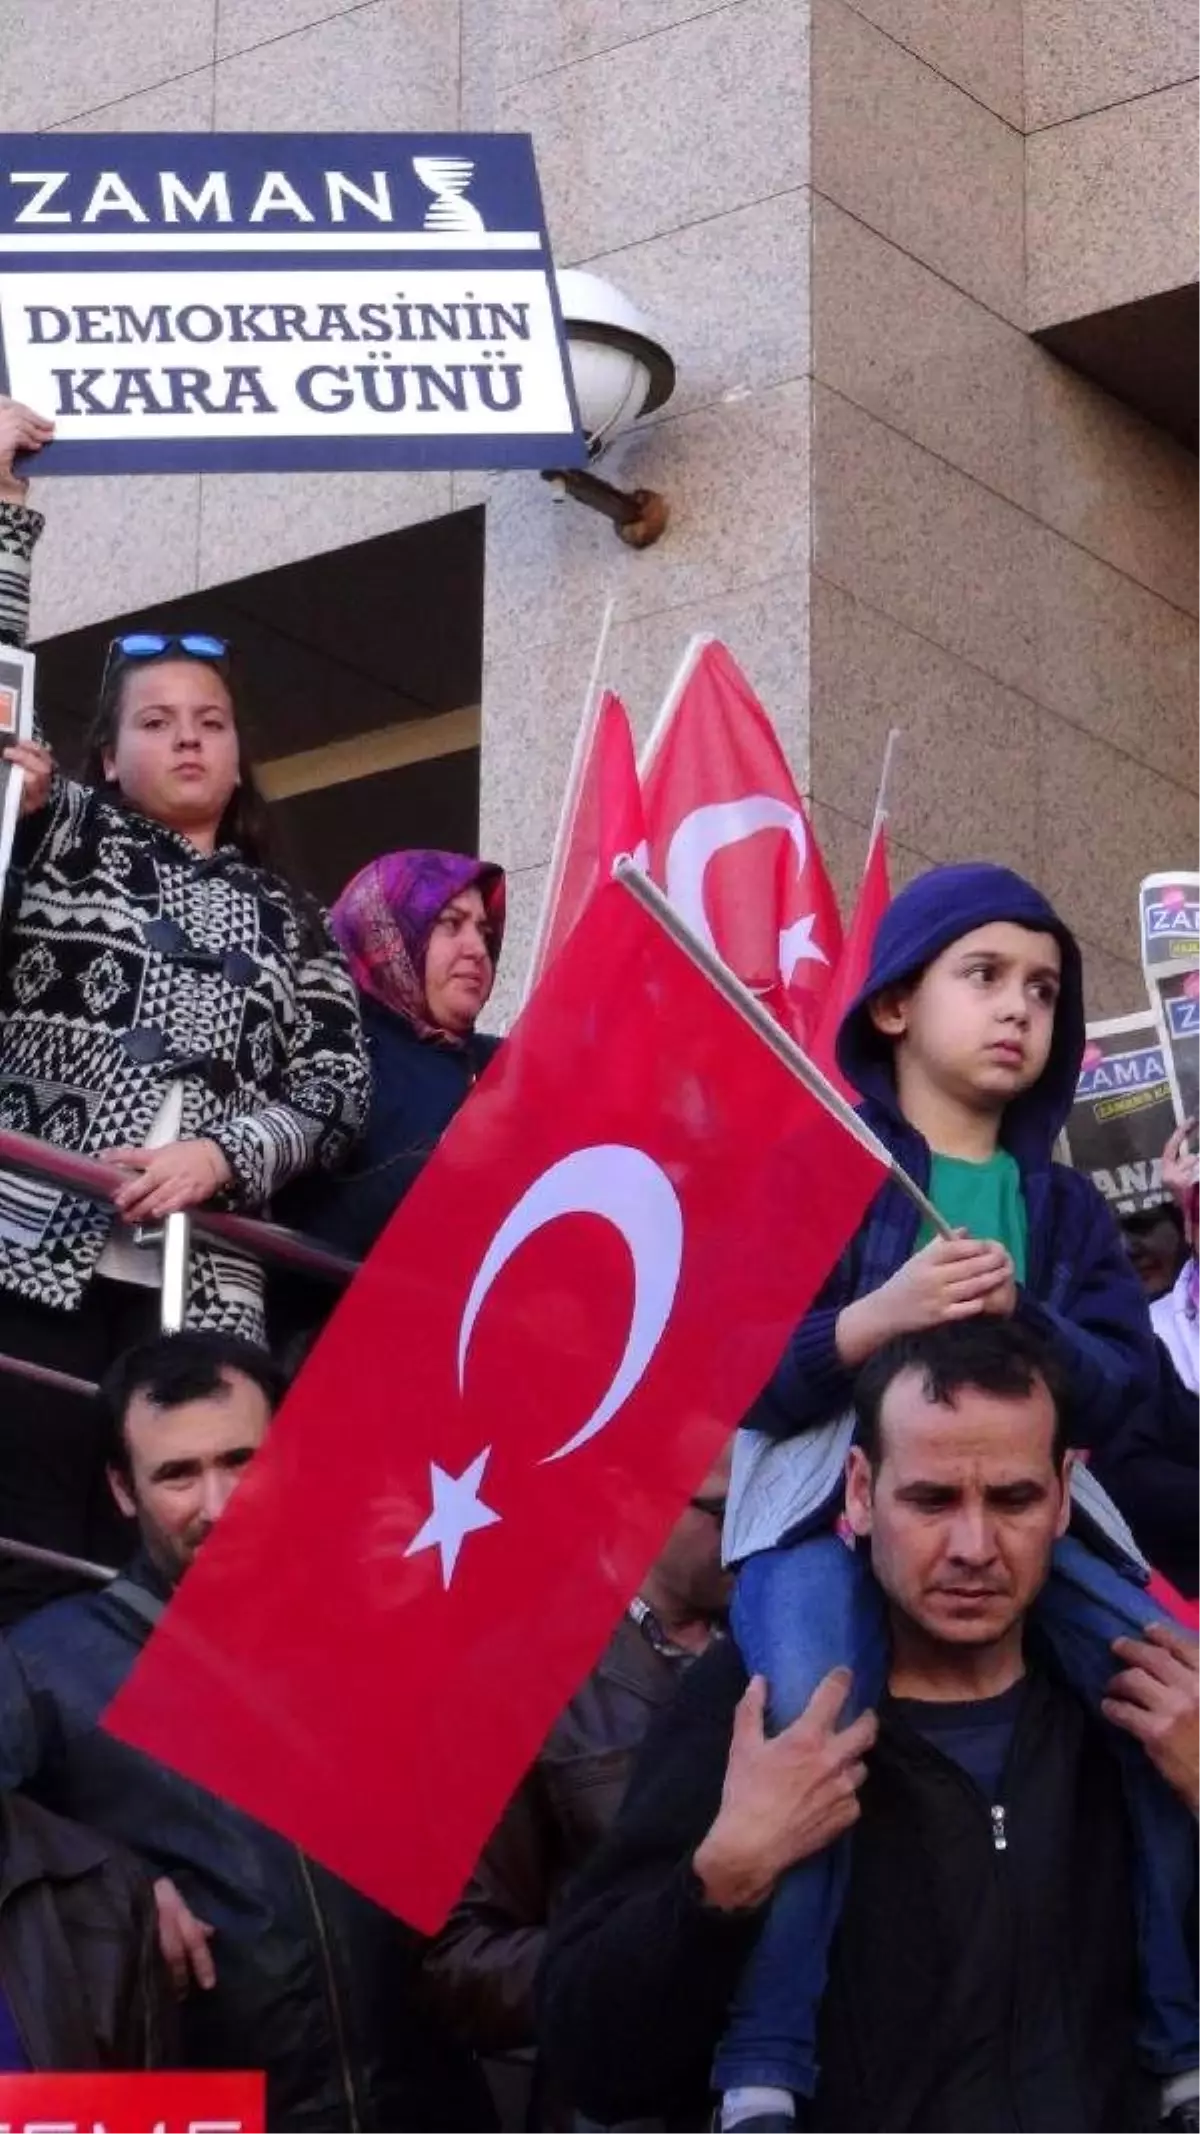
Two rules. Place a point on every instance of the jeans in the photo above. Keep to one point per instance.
(798, 1612)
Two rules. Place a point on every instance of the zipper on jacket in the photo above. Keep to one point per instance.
(999, 1828)
(353, 2122)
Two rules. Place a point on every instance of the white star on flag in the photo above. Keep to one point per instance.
(457, 1512)
(796, 945)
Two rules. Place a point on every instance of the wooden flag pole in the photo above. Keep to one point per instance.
(881, 809)
(675, 689)
(785, 1048)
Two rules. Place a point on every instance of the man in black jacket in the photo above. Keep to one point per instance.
(983, 1975)
(290, 1969)
(82, 1983)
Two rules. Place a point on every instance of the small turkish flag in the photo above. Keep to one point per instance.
(730, 842)
(580, 1297)
(602, 821)
(854, 963)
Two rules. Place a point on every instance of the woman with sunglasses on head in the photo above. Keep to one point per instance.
(168, 1004)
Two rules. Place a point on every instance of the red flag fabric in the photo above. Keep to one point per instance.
(730, 842)
(602, 821)
(854, 963)
(576, 1302)
(1184, 1611)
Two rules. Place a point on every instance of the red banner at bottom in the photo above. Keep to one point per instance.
(133, 2104)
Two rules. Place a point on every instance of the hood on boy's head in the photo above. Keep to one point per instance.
(933, 911)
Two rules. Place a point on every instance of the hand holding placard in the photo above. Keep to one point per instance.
(20, 431)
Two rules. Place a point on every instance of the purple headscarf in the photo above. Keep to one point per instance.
(384, 917)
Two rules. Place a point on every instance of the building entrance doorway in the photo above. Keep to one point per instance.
(358, 675)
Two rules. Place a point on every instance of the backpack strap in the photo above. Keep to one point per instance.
(134, 1600)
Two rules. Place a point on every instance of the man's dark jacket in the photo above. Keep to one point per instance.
(79, 1961)
(1151, 1470)
(482, 1969)
(314, 1983)
(969, 1988)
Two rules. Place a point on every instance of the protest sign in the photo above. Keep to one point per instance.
(16, 724)
(1123, 1113)
(243, 301)
(100, 2102)
(1169, 913)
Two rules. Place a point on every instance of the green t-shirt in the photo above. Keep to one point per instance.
(984, 1199)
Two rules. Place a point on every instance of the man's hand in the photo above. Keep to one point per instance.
(950, 1278)
(20, 431)
(784, 1796)
(178, 1175)
(1157, 1700)
(183, 1940)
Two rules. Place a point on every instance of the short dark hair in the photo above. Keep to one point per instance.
(996, 1355)
(1144, 1220)
(173, 1369)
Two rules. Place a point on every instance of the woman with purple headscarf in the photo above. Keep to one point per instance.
(421, 932)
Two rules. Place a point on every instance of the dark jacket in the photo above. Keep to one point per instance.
(1151, 1470)
(483, 1966)
(416, 1088)
(968, 1988)
(314, 1983)
(1080, 1292)
(79, 1961)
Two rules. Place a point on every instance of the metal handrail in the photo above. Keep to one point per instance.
(271, 1242)
(41, 1374)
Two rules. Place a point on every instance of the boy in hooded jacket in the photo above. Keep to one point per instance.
(965, 1045)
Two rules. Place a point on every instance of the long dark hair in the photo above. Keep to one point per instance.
(245, 822)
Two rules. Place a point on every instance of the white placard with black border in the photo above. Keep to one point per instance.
(225, 302)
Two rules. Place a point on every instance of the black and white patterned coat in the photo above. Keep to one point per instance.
(266, 1044)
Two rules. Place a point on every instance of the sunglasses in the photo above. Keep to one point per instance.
(157, 644)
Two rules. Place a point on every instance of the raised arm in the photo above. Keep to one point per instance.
(20, 528)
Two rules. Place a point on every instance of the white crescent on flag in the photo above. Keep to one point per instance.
(707, 831)
(629, 1190)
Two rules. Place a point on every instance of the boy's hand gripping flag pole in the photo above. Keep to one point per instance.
(577, 1302)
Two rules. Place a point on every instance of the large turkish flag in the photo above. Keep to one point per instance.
(574, 1305)
(731, 844)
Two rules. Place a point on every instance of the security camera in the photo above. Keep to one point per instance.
(620, 369)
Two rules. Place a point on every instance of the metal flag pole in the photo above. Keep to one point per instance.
(785, 1048)
(53, 1560)
(570, 800)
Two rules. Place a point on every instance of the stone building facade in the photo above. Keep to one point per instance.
(928, 271)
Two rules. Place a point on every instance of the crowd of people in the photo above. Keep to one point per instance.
(890, 1822)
